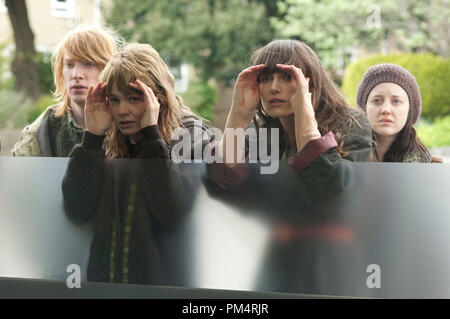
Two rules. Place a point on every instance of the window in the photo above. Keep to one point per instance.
(3, 8)
(63, 8)
(181, 75)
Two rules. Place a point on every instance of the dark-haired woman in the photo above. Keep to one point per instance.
(390, 96)
(289, 89)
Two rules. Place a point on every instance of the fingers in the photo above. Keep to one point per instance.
(436, 159)
(136, 87)
(145, 90)
(255, 68)
(294, 71)
(102, 91)
(97, 88)
(97, 92)
(297, 73)
(89, 93)
(252, 71)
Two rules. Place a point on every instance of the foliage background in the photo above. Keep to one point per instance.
(432, 73)
(216, 37)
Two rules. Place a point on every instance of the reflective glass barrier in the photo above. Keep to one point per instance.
(373, 230)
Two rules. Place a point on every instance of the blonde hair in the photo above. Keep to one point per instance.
(86, 43)
(142, 62)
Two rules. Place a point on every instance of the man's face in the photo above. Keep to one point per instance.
(78, 77)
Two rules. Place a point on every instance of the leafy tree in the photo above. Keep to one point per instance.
(215, 36)
(23, 66)
(331, 27)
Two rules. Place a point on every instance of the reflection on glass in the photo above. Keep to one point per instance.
(125, 199)
(268, 234)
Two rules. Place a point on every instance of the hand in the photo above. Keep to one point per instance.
(151, 114)
(97, 115)
(436, 159)
(306, 128)
(302, 97)
(246, 91)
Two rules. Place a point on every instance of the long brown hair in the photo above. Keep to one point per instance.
(405, 145)
(142, 62)
(329, 103)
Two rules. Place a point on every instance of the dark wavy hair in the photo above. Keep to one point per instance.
(330, 106)
(406, 144)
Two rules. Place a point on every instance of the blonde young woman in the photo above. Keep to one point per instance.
(135, 102)
(131, 113)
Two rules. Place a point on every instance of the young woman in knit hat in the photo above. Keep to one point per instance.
(390, 96)
(288, 89)
(130, 113)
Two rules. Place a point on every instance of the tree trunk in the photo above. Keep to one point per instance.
(23, 67)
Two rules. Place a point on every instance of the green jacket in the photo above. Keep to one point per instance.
(49, 136)
(417, 157)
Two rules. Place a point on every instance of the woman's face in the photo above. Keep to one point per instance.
(276, 90)
(387, 109)
(127, 110)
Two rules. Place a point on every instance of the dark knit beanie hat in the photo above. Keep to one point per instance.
(392, 73)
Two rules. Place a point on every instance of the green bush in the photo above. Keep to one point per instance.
(6, 80)
(44, 65)
(432, 74)
(201, 97)
(13, 107)
(17, 111)
(37, 108)
(436, 134)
